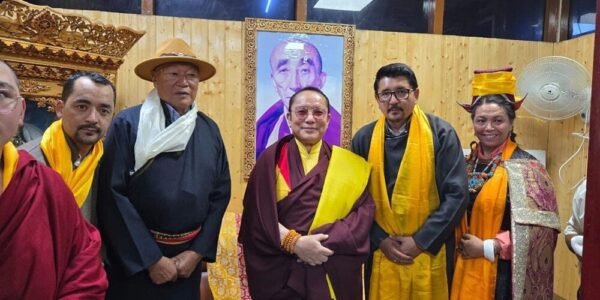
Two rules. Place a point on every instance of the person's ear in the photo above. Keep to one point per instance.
(59, 107)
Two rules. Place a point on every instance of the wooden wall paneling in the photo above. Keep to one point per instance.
(368, 56)
(425, 58)
(146, 49)
(233, 110)
(182, 28)
(455, 85)
(201, 44)
(360, 92)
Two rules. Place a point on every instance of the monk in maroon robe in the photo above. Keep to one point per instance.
(47, 249)
(342, 245)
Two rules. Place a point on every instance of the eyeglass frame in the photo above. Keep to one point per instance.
(312, 112)
(395, 94)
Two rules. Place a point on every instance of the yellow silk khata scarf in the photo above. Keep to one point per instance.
(476, 278)
(10, 157)
(58, 153)
(346, 179)
(414, 197)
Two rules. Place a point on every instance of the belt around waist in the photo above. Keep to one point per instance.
(176, 238)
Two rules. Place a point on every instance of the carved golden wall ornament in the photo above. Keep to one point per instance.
(29, 24)
(32, 87)
(45, 47)
(46, 102)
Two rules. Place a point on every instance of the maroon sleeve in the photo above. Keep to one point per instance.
(84, 276)
(350, 235)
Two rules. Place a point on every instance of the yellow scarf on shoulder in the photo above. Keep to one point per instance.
(414, 198)
(58, 153)
(10, 157)
(476, 278)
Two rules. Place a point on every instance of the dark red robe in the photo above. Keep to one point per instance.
(275, 274)
(47, 249)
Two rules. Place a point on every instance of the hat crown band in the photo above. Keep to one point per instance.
(178, 54)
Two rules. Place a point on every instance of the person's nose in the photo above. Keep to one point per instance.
(310, 118)
(182, 81)
(488, 126)
(92, 117)
(394, 100)
(295, 82)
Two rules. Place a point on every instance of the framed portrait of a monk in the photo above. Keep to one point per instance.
(282, 57)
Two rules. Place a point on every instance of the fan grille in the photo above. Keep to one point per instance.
(557, 87)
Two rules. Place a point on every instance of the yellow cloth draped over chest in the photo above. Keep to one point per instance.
(476, 278)
(10, 157)
(58, 153)
(414, 198)
(346, 179)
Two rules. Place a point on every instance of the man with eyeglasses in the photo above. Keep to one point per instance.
(48, 250)
(307, 212)
(419, 187)
(72, 145)
(164, 183)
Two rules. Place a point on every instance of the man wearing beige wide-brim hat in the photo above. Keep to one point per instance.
(164, 183)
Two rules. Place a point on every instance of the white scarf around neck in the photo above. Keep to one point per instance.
(152, 136)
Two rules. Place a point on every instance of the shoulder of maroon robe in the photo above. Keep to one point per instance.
(39, 216)
(259, 217)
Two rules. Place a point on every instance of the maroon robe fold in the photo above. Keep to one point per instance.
(275, 274)
(47, 249)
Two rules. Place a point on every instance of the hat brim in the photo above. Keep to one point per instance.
(515, 105)
(145, 68)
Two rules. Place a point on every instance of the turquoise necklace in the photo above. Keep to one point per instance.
(475, 179)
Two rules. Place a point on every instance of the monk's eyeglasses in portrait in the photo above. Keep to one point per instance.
(8, 101)
(190, 77)
(303, 112)
(400, 94)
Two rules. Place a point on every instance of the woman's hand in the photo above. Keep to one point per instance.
(471, 246)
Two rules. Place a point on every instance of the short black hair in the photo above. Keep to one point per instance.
(309, 88)
(396, 70)
(501, 101)
(93, 76)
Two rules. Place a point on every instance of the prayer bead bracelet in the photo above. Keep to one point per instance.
(289, 241)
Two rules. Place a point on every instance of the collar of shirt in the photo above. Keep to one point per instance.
(390, 133)
(170, 112)
(76, 158)
(309, 158)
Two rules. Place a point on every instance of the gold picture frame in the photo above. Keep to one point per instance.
(264, 41)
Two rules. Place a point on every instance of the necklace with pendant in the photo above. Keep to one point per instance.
(476, 180)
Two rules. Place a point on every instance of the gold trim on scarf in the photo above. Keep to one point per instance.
(58, 153)
(414, 198)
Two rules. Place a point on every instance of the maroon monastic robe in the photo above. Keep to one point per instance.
(47, 249)
(272, 272)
